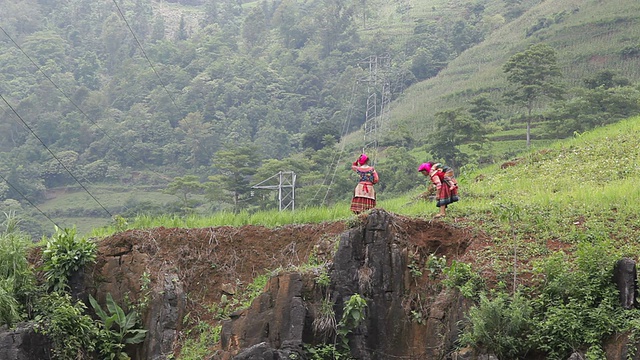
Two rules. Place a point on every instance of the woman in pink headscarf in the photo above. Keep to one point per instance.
(446, 186)
(364, 197)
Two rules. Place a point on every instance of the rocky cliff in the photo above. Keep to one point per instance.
(181, 274)
(407, 315)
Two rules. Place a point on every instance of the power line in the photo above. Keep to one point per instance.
(76, 106)
(345, 129)
(29, 201)
(144, 54)
(54, 155)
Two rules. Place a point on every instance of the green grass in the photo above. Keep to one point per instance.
(75, 207)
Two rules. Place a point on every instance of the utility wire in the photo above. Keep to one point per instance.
(54, 155)
(337, 155)
(152, 67)
(345, 129)
(74, 104)
(79, 109)
(29, 201)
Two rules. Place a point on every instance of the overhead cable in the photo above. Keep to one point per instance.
(54, 155)
(29, 201)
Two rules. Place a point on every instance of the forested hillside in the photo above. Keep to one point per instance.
(128, 107)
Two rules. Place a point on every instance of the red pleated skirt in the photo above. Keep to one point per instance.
(360, 204)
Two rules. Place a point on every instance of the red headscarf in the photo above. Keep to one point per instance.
(425, 167)
(362, 159)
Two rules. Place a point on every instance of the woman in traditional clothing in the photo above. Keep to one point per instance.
(446, 186)
(364, 196)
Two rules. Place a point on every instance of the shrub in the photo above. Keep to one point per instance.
(9, 308)
(577, 305)
(461, 276)
(18, 285)
(65, 254)
(500, 325)
(72, 333)
(118, 329)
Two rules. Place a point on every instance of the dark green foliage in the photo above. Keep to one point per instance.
(533, 75)
(232, 182)
(578, 303)
(590, 108)
(606, 79)
(501, 325)
(461, 276)
(574, 305)
(73, 333)
(453, 129)
(64, 254)
(17, 281)
(483, 109)
(399, 171)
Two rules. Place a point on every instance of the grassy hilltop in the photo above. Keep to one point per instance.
(591, 179)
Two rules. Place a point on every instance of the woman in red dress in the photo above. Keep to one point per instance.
(446, 186)
(364, 196)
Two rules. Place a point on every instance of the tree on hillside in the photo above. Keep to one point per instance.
(533, 75)
(234, 167)
(482, 109)
(607, 79)
(398, 169)
(453, 129)
(183, 186)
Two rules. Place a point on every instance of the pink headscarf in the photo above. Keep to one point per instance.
(363, 159)
(425, 167)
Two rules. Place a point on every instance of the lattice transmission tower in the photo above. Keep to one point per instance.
(378, 100)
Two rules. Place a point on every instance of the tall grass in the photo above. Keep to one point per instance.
(17, 281)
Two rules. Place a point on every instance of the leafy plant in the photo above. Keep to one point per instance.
(418, 317)
(17, 284)
(323, 278)
(65, 254)
(461, 276)
(119, 329)
(353, 313)
(10, 310)
(414, 268)
(435, 265)
(199, 341)
(577, 304)
(500, 325)
(73, 334)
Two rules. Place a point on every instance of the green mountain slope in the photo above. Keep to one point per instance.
(589, 36)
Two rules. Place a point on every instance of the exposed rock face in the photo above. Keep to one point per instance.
(624, 275)
(372, 261)
(407, 316)
(203, 262)
(273, 325)
(119, 273)
(23, 343)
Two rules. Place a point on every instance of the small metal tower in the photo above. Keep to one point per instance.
(286, 188)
